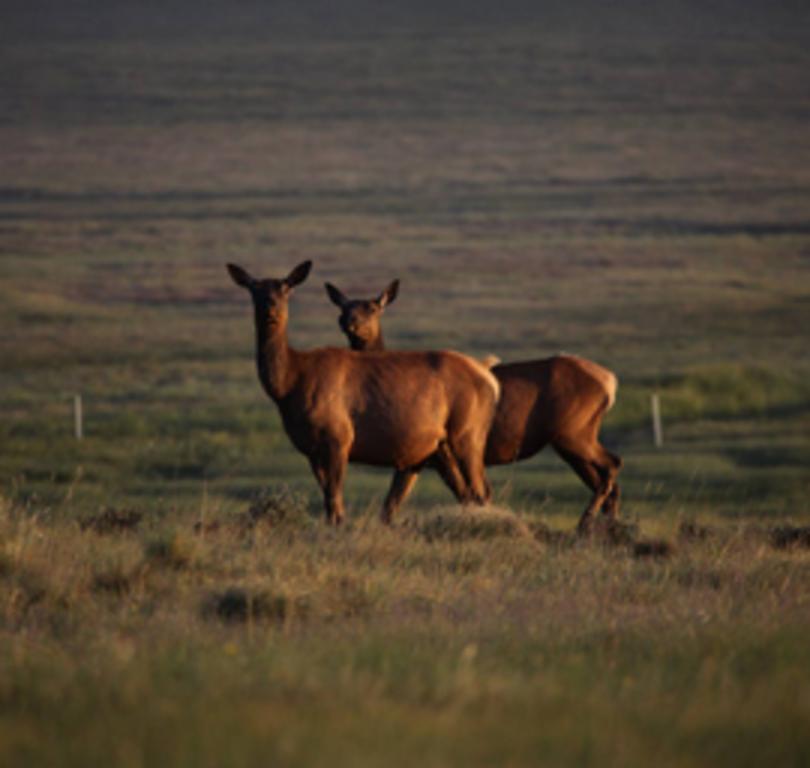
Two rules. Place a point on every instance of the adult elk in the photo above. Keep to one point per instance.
(559, 400)
(395, 409)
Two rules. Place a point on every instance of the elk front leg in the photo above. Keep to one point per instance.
(329, 466)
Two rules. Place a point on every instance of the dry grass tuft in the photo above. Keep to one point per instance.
(171, 550)
(279, 508)
(653, 548)
(554, 538)
(275, 511)
(119, 573)
(112, 520)
(790, 537)
(209, 527)
(690, 531)
(465, 524)
(27, 589)
(610, 532)
(349, 597)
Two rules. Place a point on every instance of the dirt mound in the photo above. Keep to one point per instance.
(237, 605)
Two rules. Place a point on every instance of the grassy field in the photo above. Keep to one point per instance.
(168, 591)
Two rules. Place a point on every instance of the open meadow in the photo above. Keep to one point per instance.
(169, 592)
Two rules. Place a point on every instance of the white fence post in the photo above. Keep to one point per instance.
(78, 417)
(658, 432)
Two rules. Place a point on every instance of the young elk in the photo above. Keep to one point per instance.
(559, 400)
(393, 409)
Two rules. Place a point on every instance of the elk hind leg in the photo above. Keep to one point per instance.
(445, 463)
(608, 465)
(469, 453)
(611, 505)
(598, 476)
(401, 485)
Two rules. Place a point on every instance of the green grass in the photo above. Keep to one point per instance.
(639, 202)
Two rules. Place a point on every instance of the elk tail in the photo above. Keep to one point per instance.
(611, 385)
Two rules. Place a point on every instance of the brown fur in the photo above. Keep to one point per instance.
(395, 409)
(559, 400)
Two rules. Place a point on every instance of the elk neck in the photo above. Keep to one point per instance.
(375, 344)
(275, 359)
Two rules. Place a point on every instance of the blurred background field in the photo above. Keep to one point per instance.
(633, 188)
(643, 203)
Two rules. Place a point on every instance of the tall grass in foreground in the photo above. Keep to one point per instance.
(263, 637)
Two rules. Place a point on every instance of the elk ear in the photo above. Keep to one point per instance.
(388, 295)
(337, 296)
(240, 276)
(298, 275)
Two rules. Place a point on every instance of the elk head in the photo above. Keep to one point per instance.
(360, 318)
(270, 296)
